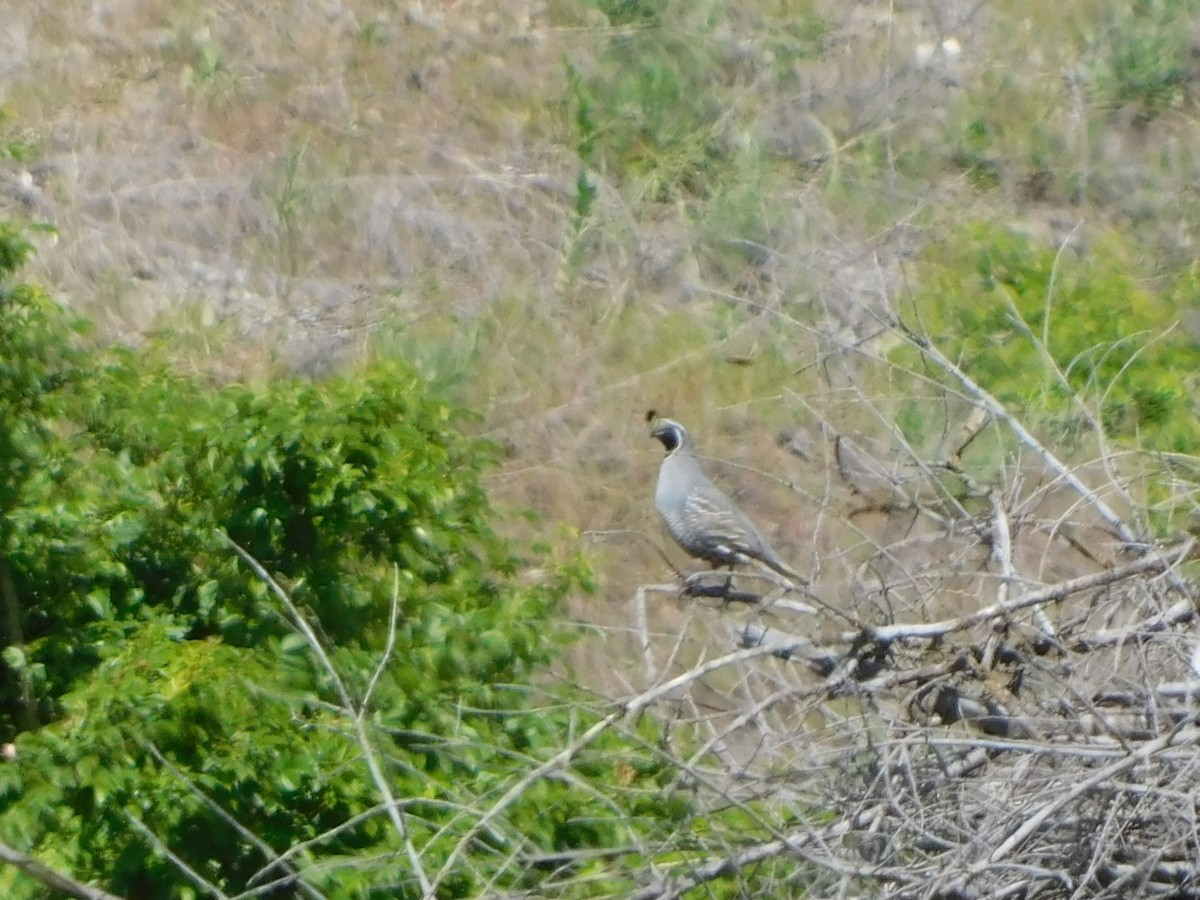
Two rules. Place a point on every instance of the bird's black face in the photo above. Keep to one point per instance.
(670, 433)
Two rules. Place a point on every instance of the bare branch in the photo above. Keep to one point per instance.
(51, 878)
(643, 632)
(293, 878)
(996, 409)
(560, 759)
(1035, 821)
(1156, 563)
(389, 647)
(195, 877)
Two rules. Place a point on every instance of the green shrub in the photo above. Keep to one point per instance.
(155, 686)
(666, 97)
(1014, 312)
(1145, 58)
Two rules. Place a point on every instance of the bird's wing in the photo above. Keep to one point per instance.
(729, 530)
(723, 520)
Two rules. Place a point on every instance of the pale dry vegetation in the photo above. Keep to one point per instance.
(303, 185)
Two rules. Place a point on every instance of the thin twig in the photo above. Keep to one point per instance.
(668, 889)
(636, 705)
(389, 648)
(1180, 611)
(1156, 563)
(1032, 823)
(631, 708)
(394, 810)
(560, 759)
(195, 877)
(1000, 412)
(293, 878)
(641, 623)
(52, 878)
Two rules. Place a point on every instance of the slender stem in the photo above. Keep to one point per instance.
(51, 878)
(16, 638)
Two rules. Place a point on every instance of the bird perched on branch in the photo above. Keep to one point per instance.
(701, 518)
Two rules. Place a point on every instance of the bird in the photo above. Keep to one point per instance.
(702, 519)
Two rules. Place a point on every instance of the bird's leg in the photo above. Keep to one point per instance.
(724, 590)
(699, 584)
(728, 585)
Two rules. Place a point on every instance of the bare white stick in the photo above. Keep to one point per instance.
(643, 631)
(510, 796)
(292, 878)
(389, 648)
(1034, 822)
(998, 410)
(925, 631)
(631, 708)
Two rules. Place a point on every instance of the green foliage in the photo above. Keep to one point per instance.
(668, 111)
(156, 687)
(1146, 57)
(1004, 131)
(320, 483)
(16, 149)
(196, 704)
(744, 221)
(658, 103)
(658, 98)
(36, 366)
(585, 191)
(28, 371)
(205, 59)
(632, 12)
(1047, 332)
(976, 152)
(183, 736)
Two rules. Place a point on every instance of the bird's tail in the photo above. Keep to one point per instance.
(778, 566)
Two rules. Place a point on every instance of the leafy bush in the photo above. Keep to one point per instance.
(651, 110)
(1146, 58)
(1046, 331)
(163, 698)
(666, 100)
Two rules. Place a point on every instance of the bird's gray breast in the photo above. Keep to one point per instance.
(676, 479)
(694, 510)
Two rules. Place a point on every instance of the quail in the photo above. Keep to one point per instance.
(701, 518)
